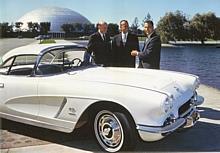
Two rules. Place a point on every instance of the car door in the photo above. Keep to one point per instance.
(57, 109)
(19, 96)
(51, 100)
(50, 71)
(53, 86)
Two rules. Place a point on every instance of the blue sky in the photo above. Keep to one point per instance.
(111, 11)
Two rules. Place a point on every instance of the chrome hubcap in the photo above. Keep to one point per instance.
(109, 130)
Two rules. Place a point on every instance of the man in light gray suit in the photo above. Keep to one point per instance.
(150, 55)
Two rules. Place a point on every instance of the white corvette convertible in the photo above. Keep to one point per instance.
(56, 86)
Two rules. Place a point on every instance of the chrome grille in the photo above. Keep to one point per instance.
(186, 106)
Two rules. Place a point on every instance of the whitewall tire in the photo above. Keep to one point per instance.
(113, 131)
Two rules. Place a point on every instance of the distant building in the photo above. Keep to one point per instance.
(56, 16)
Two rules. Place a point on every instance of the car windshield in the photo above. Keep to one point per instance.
(63, 60)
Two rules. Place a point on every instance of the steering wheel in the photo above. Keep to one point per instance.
(78, 63)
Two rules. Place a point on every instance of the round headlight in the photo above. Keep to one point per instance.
(167, 104)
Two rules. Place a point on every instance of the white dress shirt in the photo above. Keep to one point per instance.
(102, 35)
(124, 37)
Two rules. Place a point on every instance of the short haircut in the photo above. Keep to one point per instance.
(149, 22)
(100, 23)
(124, 21)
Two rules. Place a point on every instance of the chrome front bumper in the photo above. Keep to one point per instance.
(189, 119)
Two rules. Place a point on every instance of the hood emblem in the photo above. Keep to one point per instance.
(178, 89)
(72, 111)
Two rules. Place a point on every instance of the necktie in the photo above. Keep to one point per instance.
(104, 37)
(124, 39)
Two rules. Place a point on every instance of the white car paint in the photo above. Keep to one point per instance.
(57, 101)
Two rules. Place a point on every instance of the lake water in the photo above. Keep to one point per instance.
(201, 61)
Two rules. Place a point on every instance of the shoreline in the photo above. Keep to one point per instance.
(196, 43)
(182, 44)
(171, 44)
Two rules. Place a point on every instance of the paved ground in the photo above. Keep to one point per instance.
(205, 136)
(8, 44)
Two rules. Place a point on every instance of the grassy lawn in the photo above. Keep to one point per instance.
(47, 41)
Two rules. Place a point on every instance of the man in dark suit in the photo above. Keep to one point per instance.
(122, 45)
(150, 55)
(100, 45)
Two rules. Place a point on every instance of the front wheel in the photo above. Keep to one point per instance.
(113, 131)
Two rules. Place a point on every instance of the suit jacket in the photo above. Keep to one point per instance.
(100, 48)
(150, 55)
(121, 54)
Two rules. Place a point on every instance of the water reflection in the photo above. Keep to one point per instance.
(202, 61)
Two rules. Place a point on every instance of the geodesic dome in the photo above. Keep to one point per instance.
(55, 15)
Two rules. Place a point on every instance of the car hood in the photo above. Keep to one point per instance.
(159, 80)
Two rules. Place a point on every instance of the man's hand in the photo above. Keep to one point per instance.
(134, 53)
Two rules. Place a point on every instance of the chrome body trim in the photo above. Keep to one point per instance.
(186, 120)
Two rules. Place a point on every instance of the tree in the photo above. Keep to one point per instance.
(35, 28)
(135, 25)
(4, 29)
(212, 24)
(67, 28)
(44, 27)
(171, 26)
(197, 26)
(205, 26)
(78, 27)
(217, 29)
(18, 26)
(113, 29)
(88, 28)
(30, 26)
(146, 18)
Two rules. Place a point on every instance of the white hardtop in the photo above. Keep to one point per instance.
(34, 49)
